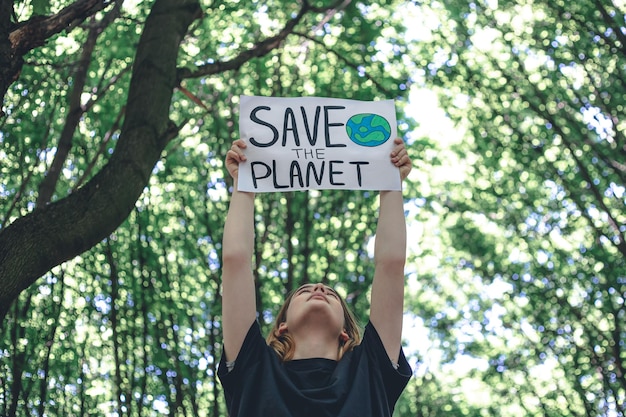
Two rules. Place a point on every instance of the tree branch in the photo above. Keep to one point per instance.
(17, 40)
(35, 31)
(260, 49)
(345, 61)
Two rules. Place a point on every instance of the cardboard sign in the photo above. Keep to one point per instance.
(317, 143)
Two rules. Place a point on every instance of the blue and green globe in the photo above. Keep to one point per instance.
(367, 129)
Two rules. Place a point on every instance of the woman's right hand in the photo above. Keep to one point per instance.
(234, 156)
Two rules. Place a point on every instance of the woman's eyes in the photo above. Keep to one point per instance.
(329, 292)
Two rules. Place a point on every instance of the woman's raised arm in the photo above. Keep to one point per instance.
(387, 301)
(238, 298)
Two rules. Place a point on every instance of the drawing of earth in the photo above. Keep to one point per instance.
(368, 129)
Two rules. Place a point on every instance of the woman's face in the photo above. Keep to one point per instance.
(315, 303)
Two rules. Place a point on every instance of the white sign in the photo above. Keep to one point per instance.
(317, 143)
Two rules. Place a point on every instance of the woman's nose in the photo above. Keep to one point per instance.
(319, 287)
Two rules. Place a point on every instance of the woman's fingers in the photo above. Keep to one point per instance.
(400, 158)
(399, 154)
(236, 150)
(235, 156)
(240, 143)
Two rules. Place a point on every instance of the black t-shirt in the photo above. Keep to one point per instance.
(363, 383)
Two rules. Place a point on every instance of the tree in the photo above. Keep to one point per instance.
(116, 118)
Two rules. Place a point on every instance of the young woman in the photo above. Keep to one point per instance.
(314, 362)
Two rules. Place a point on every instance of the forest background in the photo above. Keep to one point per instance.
(115, 119)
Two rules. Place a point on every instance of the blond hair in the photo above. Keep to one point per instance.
(285, 346)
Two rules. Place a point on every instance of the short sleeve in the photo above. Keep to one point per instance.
(395, 379)
(251, 347)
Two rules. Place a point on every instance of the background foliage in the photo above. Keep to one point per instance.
(534, 209)
(516, 280)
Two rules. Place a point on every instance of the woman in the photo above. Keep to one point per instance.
(314, 362)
